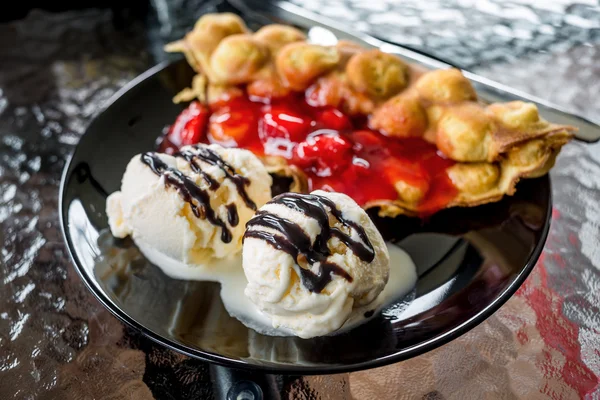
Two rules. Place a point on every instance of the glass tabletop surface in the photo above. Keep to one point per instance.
(57, 341)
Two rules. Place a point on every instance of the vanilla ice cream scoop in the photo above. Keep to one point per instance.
(313, 260)
(190, 207)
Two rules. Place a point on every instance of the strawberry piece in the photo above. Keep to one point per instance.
(323, 154)
(334, 119)
(360, 168)
(234, 123)
(190, 125)
(279, 121)
(368, 139)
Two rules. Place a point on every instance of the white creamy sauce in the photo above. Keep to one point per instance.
(402, 279)
(230, 274)
(403, 275)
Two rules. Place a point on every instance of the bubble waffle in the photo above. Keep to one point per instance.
(477, 151)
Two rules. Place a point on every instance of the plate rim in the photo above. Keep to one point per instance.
(291, 369)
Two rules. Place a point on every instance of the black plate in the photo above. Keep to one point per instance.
(469, 261)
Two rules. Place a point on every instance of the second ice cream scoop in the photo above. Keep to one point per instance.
(312, 260)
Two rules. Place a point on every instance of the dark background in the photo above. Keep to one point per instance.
(18, 9)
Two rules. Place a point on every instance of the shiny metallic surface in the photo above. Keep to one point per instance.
(57, 341)
(493, 91)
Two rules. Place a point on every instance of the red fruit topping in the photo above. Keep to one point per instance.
(334, 151)
(279, 121)
(334, 119)
(414, 174)
(368, 139)
(325, 92)
(189, 126)
(234, 123)
(360, 167)
(323, 153)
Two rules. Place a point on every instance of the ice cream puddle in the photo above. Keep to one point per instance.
(401, 282)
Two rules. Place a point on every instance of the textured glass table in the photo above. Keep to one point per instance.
(58, 342)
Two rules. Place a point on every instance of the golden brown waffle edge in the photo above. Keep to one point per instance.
(494, 145)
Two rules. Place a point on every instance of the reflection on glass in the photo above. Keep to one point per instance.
(82, 234)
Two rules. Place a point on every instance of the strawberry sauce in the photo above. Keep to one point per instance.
(337, 153)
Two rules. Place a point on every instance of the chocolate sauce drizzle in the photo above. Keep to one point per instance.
(293, 240)
(232, 215)
(210, 157)
(189, 191)
(191, 159)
